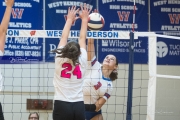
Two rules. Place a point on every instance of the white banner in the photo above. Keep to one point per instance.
(72, 34)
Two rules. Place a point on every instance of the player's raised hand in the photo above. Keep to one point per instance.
(9, 3)
(84, 14)
(72, 13)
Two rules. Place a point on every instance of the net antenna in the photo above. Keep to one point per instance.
(134, 13)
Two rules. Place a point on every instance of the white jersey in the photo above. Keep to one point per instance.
(95, 84)
(1, 77)
(68, 79)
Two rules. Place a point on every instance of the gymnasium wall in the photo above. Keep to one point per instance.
(35, 81)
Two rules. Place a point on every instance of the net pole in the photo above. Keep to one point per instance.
(152, 63)
(130, 77)
(131, 68)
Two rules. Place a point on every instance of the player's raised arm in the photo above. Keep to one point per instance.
(70, 18)
(5, 22)
(90, 49)
(84, 17)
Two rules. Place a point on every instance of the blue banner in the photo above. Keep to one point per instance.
(118, 15)
(51, 44)
(26, 15)
(165, 19)
(56, 11)
(168, 51)
(120, 48)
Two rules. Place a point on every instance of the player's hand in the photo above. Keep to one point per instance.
(9, 3)
(72, 13)
(84, 14)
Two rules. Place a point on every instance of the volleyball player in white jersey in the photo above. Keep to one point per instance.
(70, 67)
(98, 85)
(3, 29)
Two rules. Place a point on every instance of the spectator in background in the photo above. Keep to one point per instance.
(33, 116)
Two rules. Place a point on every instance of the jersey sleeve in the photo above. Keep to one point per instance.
(108, 93)
(93, 64)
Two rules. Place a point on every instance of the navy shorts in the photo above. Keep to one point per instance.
(68, 110)
(90, 115)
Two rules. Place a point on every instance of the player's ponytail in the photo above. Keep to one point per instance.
(71, 50)
(114, 75)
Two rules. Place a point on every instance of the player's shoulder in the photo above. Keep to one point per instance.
(83, 52)
(95, 63)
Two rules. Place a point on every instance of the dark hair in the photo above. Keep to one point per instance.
(34, 113)
(71, 50)
(114, 74)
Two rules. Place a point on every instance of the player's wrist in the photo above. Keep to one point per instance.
(105, 98)
(84, 20)
(69, 20)
(8, 7)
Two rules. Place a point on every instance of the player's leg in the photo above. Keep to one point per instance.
(62, 110)
(79, 111)
(1, 113)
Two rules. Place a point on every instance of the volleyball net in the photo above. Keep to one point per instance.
(150, 81)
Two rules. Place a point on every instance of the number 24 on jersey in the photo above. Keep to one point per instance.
(66, 73)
